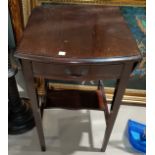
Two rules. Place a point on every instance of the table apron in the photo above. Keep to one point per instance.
(77, 72)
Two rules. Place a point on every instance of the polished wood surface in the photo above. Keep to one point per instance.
(76, 72)
(84, 33)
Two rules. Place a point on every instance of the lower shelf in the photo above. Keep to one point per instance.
(72, 99)
(76, 100)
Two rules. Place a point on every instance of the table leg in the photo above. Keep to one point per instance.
(118, 95)
(29, 79)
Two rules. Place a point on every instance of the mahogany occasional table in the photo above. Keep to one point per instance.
(78, 42)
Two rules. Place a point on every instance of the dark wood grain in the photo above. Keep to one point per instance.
(28, 75)
(117, 99)
(93, 33)
(77, 72)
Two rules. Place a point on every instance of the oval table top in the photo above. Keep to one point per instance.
(77, 33)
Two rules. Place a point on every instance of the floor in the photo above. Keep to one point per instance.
(77, 132)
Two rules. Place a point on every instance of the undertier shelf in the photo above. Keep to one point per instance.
(76, 100)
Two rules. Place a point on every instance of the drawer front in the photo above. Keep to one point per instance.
(76, 71)
(106, 71)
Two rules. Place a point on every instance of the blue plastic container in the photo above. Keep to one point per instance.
(137, 135)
